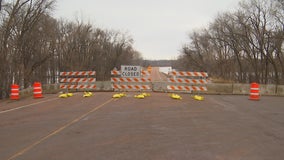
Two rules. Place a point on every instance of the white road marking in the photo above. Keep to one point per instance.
(28, 105)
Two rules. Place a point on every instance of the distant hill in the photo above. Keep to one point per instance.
(159, 63)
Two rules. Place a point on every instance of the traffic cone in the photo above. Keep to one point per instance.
(254, 91)
(15, 94)
(37, 90)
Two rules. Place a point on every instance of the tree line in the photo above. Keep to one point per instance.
(243, 46)
(34, 46)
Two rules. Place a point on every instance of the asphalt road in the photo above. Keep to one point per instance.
(157, 127)
(156, 75)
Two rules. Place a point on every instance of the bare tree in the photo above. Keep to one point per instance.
(36, 47)
(247, 44)
(18, 28)
(83, 47)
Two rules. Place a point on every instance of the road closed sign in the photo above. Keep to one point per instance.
(130, 71)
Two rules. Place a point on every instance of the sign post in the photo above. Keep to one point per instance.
(130, 71)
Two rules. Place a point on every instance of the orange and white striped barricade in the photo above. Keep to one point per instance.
(75, 86)
(184, 81)
(254, 91)
(124, 87)
(189, 81)
(130, 83)
(15, 92)
(37, 90)
(145, 73)
(78, 80)
(115, 73)
(188, 74)
(78, 73)
(186, 88)
(120, 79)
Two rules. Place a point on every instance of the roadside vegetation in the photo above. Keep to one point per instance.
(34, 46)
(242, 46)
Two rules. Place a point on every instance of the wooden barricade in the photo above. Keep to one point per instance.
(181, 81)
(78, 80)
(130, 83)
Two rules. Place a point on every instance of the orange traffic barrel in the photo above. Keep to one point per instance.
(37, 90)
(15, 94)
(254, 91)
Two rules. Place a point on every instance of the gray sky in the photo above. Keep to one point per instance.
(158, 27)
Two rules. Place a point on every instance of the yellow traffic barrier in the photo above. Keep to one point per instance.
(122, 94)
(199, 98)
(63, 95)
(118, 95)
(87, 94)
(140, 96)
(175, 96)
(146, 94)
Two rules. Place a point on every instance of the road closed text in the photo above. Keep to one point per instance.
(130, 71)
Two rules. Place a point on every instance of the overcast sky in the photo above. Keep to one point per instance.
(158, 27)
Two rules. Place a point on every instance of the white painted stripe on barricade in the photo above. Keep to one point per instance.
(192, 74)
(64, 80)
